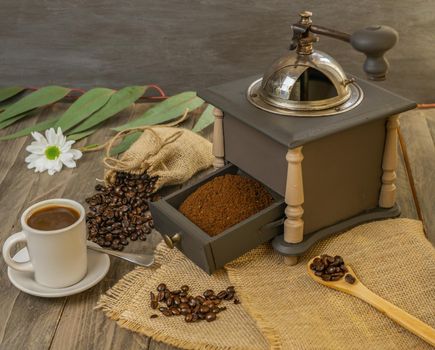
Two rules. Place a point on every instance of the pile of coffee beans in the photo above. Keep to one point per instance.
(119, 212)
(194, 308)
(331, 268)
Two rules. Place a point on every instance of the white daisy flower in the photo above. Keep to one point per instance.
(51, 152)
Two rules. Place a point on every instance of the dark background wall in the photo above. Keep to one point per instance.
(191, 44)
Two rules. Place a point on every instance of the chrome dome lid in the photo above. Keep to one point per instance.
(305, 83)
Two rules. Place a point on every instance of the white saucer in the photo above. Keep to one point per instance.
(98, 265)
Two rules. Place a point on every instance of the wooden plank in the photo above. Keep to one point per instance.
(421, 152)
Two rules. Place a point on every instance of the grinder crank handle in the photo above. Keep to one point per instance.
(374, 41)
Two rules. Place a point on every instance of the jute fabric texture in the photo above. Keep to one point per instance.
(172, 154)
(391, 257)
(128, 302)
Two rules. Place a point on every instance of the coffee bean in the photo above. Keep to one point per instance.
(199, 299)
(236, 301)
(185, 305)
(154, 316)
(154, 304)
(204, 309)
(229, 296)
(319, 267)
(222, 294)
(188, 318)
(211, 316)
(326, 277)
(153, 296)
(167, 313)
(230, 289)
(176, 292)
(161, 296)
(208, 293)
(185, 310)
(184, 288)
(169, 301)
(161, 287)
(330, 269)
(208, 303)
(349, 278)
(162, 308)
(175, 311)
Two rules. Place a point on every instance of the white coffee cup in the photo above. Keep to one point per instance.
(58, 258)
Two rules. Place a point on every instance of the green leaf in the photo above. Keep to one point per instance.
(85, 105)
(39, 98)
(8, 92)
(12, 120)
(166, 110)
(125, 143)
(81, 135)
(205, 119)
(119, 101)
(44, 125)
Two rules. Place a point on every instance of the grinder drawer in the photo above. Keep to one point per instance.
(212, 253)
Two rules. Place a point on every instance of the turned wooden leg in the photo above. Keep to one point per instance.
(218, 139)
(294, 198)
(387, 197)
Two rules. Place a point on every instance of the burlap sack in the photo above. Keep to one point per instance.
(392, 258)
(172, 154)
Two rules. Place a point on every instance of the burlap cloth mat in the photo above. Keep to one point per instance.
(282, 308)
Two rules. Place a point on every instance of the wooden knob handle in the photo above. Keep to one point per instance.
(374, 41)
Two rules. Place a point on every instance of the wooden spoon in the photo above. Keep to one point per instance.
(359, 290)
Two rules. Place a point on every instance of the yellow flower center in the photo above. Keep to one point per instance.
(52, 152)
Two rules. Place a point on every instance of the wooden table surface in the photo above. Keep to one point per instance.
(29, 322)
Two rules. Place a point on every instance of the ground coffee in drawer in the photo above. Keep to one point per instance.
(225, 201)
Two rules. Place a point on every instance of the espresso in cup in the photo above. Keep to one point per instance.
(55, 234)
(53, 217)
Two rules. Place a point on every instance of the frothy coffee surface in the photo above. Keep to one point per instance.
(52, 217)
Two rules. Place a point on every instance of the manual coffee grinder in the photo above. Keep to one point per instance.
(321, 139)
(324, 140)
